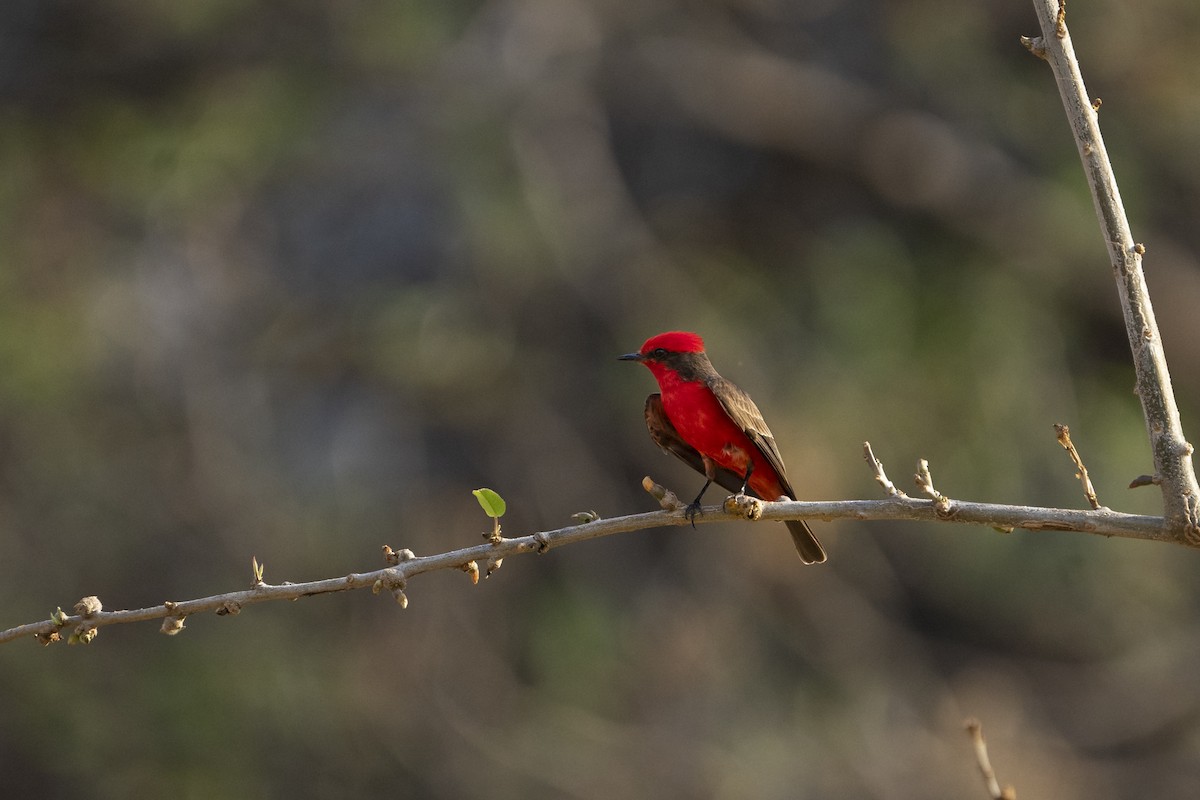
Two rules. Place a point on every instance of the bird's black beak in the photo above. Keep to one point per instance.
(631, 357)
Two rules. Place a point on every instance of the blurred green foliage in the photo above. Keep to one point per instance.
(284, 280)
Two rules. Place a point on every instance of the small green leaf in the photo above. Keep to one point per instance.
(492, 503)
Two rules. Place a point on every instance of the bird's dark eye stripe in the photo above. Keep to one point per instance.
(659, 352)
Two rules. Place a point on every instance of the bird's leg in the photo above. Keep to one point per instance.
(693, 508)
(710, 472)
(746, 480)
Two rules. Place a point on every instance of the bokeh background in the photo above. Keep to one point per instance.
(289, 279)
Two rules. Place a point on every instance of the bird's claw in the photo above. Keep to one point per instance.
(691, 511)
(744, 505)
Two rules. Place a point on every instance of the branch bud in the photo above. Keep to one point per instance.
(171, 625)
(89, 606)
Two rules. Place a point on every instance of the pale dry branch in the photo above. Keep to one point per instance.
(1170, 449)
(975, 731)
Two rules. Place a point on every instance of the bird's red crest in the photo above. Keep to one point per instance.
(675, 342)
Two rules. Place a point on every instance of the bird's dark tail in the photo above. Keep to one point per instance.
(807, 546)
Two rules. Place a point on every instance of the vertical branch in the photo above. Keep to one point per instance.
(1171, 451)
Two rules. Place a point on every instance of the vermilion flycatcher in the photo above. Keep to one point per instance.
(715, 428)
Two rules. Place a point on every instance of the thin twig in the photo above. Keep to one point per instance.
(880, 476)
(975, 731)
(1063, 434)
(941, 504)
(1171, 451)
(1144, 480)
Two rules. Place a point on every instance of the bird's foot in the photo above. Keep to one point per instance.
(744, 505)
(691, 511)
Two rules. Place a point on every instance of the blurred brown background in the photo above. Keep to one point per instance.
(289, 279)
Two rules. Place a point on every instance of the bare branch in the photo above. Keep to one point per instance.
(404, 565)
(1171, 451)
(975, 731)
(1064, 438)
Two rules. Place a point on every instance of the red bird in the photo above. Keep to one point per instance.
(715, 428)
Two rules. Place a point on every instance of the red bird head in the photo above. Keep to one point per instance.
(674, 342)
(671, 352)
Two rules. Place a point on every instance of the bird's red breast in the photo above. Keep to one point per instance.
(703, 423)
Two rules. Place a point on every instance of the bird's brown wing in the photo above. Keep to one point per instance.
(665, 436)
(745, 415)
